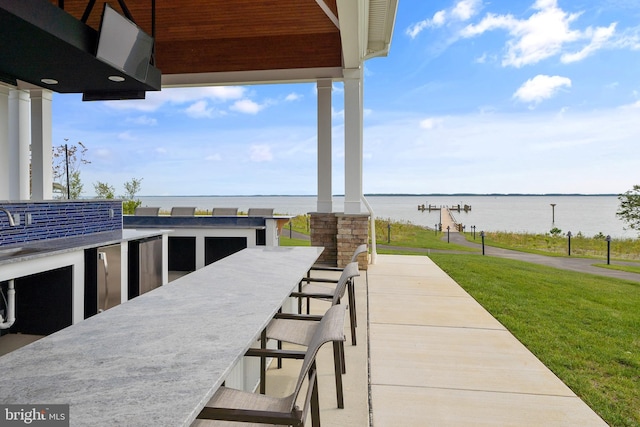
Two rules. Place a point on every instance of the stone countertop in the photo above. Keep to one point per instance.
(41, 248)
(158, 358)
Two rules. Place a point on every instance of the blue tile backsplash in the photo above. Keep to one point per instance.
(53, 219)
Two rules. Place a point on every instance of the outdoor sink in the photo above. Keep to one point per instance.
(19, 251)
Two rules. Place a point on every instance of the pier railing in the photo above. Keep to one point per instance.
(459, 208)
(447, 220)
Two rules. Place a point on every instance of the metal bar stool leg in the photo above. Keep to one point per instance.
(337, 361)
(263, 363)
(352, 300)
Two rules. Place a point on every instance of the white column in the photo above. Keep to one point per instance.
(352, 140)
(325, 199)
(41, 145)
(19, 139)
(4, 142)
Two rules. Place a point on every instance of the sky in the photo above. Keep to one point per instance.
(517, 96)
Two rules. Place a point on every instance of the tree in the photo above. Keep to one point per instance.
(67, 159)
(104, 190)
(629, 209)
(132, 188)
(555, 232)
(130, 203)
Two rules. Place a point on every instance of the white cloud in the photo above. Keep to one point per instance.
(246, 106)
(439, 18)
(462, 11)
(481, 59)
(544, 34)
(634, 106)
(127, 136)
(260, 153)
(103, 153)
(431, 123)
(337, 114)
(627, 39)
(178, 96)
(541, 87)
(185, 95)
(143, 121)
(213, 158)
(517, 152)
(200, 109)
(598, 39)
(562, 112)
(161, 150)
(416, 29)
(465, 9)
(293, 97)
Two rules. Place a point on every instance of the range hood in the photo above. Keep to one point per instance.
(45, 46)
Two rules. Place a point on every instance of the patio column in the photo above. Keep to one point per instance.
(353, 140)
(41, 145)
(19, 139)
(325, 200)
(4, 142)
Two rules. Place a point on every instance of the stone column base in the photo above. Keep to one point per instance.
(353, 230)
(340, 234)
(324, 228)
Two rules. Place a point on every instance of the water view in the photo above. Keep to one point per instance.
(588, 215)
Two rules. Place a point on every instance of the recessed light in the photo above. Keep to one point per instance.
(49, 81)
(116, 78)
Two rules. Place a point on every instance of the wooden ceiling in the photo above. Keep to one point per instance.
(213, 36)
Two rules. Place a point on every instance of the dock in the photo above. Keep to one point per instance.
(458, 208)
(448, 220)
(446, 216)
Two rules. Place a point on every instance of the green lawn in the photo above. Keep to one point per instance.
(546, 244)
(407, 235)
(286, 241)
(585, 328)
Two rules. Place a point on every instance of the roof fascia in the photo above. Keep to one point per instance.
(353, 15)
(299, 75)
(377, 48)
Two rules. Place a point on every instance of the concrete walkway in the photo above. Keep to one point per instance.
(437, 358)
(429, 355)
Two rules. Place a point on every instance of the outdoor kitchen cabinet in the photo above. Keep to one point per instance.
(43, 303)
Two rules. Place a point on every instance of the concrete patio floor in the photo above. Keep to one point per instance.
(430, 355)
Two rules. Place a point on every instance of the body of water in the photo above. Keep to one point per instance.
(588, 215)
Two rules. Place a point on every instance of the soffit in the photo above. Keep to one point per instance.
(212, 42)
(233, 36)
(382, 17)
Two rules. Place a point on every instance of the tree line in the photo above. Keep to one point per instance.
(67, 182)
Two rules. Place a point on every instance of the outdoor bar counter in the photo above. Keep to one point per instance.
(158, 358)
